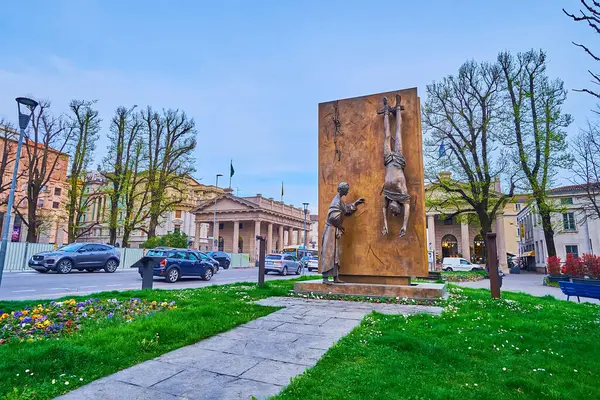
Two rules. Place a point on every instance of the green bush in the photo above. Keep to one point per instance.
(176, 239)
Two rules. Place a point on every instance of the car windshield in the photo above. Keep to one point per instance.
(157, 253)
(274, 257)
(290, 252)
(70, 248)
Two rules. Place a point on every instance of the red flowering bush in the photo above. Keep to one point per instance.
(553, 265)
(592, 265)
(574, 266)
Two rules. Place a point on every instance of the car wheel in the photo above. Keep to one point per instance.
(90, 269)
(284, 271)
(111, 266)
(172, 275)
(64, 266)
(299, 270)
(474, 269)
(208, 274)
(227, 264)
(449, 269)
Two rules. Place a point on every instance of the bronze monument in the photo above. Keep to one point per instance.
(330, 243)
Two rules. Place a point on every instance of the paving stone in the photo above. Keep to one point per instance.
(278, 351)
(317, 342)
(260, 335)
(217, 343)
(240, 389)
(148, 373)
(298, 319)
(192, 381)
(355, 315)
(276, 372)
(262, 324)
(107, 389)
(214, 361)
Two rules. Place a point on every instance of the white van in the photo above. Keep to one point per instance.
(458, 264)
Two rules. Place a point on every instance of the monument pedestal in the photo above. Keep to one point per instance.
(427, 291)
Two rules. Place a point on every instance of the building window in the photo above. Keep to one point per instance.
(569, 221)
(177, 229)
(55, 204)
(221, 226)
(517, 206)
(241, 227)
(177, 213)
(41, 203)
(43, 189)
(57, 191)
(448, 221)
(572, 249)
(566, 200)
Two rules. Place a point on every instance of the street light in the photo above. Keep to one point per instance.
(215, 239)
(305, 212)
(23, 122)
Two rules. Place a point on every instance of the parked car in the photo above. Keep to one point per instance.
(313, 263)
(459, 264)
(282, 264)
(223, 258)
(214, 262)
(79, 256)
(172, 264)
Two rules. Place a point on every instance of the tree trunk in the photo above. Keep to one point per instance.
(32, 222)
(112, 225)
(152, 227)
(126, 233)
(548, 232)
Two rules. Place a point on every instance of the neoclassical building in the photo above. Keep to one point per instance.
(241, 219)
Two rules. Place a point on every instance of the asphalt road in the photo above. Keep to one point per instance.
(33, 285)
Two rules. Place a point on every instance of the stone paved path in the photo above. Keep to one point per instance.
(255, 359)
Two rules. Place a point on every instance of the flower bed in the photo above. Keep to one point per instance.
(464, 276)
(56, 319)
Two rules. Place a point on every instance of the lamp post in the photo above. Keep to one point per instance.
(305, 212)
(24, 119)
(215, 239)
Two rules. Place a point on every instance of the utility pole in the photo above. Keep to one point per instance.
(215, 239)
(305, 213)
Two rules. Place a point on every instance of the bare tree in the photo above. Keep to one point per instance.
(535, 127)
(171, 140)
(590, 14)
(136, 197)
(8, 141)
(125, 132)
(84, 125)
(46, 141)
(586, 168)
(462, 119)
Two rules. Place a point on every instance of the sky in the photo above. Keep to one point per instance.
(251, 73)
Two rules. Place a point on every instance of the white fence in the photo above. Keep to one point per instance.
(17, 255)
(239, 260)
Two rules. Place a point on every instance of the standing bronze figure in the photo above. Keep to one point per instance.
(330, 243)
(395, 191)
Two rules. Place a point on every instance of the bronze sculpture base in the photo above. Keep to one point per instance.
(430, 291)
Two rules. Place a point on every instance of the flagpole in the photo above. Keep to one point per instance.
(230, 174)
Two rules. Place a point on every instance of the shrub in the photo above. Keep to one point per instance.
(592, 265)
(574, 266)
(553, 265)
(176, 239)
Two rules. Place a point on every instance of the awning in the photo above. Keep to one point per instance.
(529, 253)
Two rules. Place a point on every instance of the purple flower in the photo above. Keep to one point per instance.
(80, 304)
(84, 314)
(110, 315)
(18, 314)
(26, 320)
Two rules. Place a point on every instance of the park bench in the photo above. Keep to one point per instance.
(580, 290)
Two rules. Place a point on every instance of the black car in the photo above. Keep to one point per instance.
(223, 258)
(172, 264)
(80, 256)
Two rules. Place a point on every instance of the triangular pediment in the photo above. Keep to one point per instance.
(226, 203)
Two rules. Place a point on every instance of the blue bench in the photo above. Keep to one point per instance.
(580, 290)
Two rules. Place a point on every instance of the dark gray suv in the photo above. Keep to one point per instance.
(80, 256)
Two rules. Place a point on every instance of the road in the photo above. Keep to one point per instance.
(33, 285)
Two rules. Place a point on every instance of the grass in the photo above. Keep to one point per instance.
(464, 276)
(96, 351)
(520, 347)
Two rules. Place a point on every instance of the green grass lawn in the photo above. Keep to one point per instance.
(520, 347)
(99, 349)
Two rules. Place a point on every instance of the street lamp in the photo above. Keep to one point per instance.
(215, 239)
(305, 212)
(24, 119)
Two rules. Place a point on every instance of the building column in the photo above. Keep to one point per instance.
(281, 244)
(236, 236)
(270, 238)
(432, 245)
(290, 236)
(197, 237)
(256, 244)
(465, 241)
(215, 243)
(501, 243)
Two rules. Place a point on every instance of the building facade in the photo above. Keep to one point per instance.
(313, 235)
(575, 230)
(240, 219)
(51, 206)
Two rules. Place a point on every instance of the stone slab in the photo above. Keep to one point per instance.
(109, 389)
(148, 373)
(415, 291)
(192, 383)
(276, 372)
(213, 361)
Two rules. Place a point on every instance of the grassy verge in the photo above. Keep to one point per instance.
(464, 276)
(101, 348)
(520, 347)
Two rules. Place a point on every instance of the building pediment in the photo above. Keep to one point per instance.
(226, 203)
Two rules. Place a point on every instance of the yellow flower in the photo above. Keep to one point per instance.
(25, 312)
(91, 309)
(4, 316)
(21, 318)
(30, 340)
(154, 303)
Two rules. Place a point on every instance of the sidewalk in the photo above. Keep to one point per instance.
(255, 359)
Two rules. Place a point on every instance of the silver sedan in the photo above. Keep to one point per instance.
(283, 264)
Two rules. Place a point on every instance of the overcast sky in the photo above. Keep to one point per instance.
(251, 73)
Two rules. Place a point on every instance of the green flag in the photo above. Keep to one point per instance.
(232, 171)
